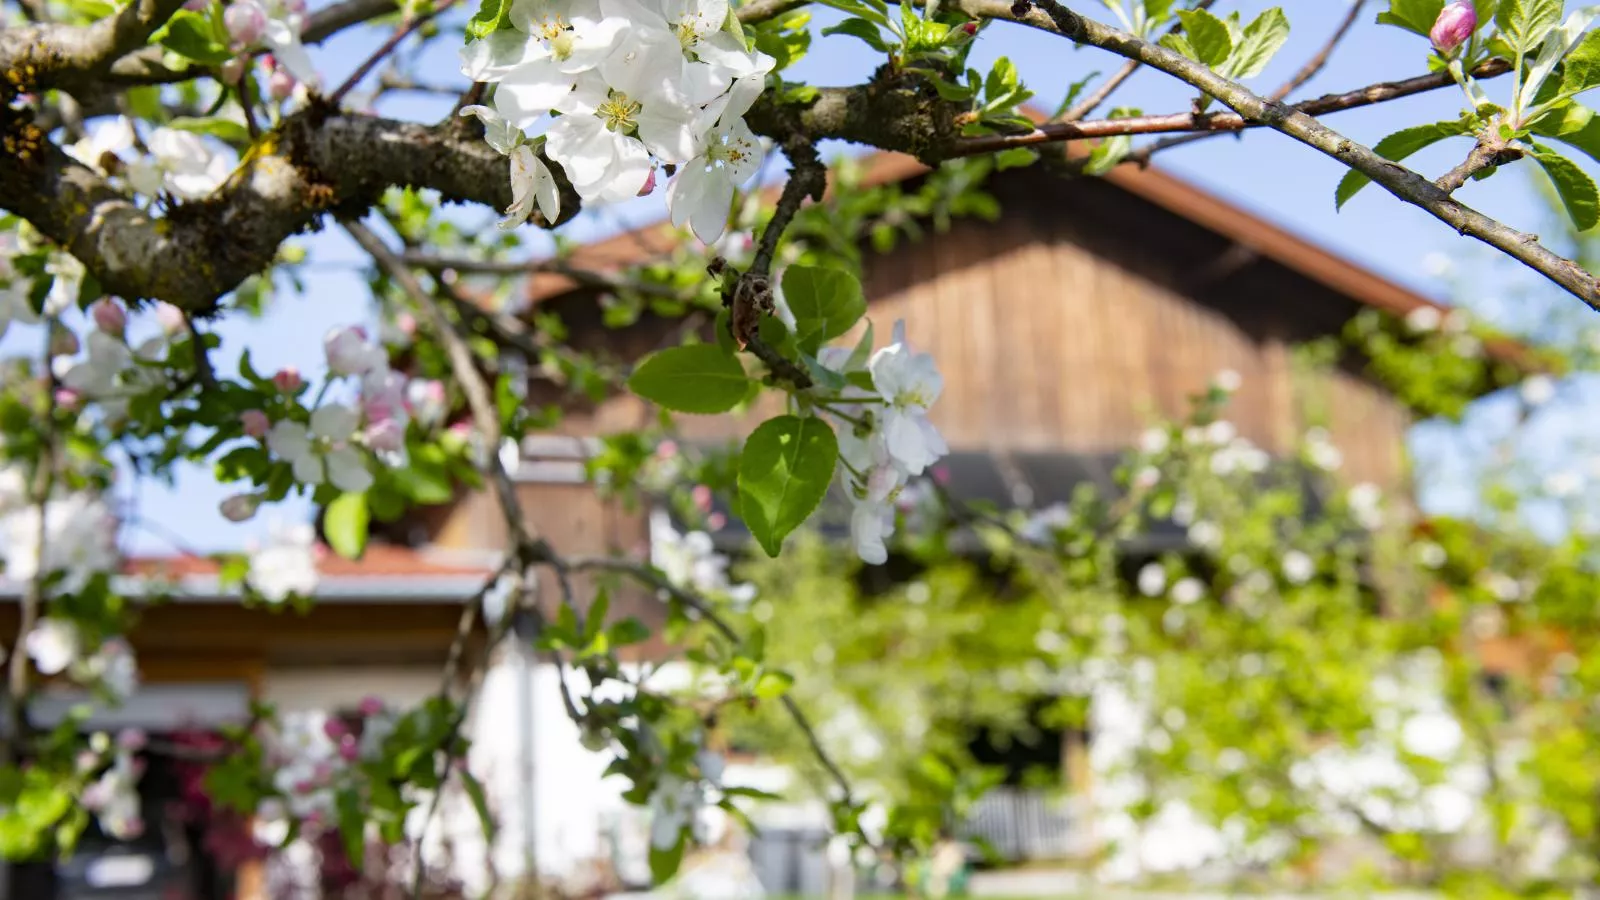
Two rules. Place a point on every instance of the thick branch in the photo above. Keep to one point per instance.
(201, 250)
(49, 55)
(1397, 179)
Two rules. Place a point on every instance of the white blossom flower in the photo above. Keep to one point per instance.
(531, 184)
(1538, 390)
(1321, 452)
(871, 523)
(1431, 555)
(673, 806)
(322, 452)
(79, 540)
(114, 797)
(1152, 579)
(108, 136)
(1205, 535)
(701, 194)
(282, 37)
(1153, 441)
(180, 164)
(1563, 484)
(910, 383)
(114, 373)
(690, 560)
(1187, 591)
(428, 401)
(536, 64)
(350, 353)
(115, 667)
(1424, 319)
(53, 645)
(1365, 501)
(596, 141)
(286, 564)
(1298, 567)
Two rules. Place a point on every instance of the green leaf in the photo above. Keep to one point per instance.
(1577, 127)
(344, 524)
(193, 35)
(480, 803)
(826, 303)
(1208, 35)
(772, 685)
(1396, 147)
(1015, 158)
(697, 378)
(733, 26)
(1581, 68)
(226, 129)
(1524, 23)
(1412, 15)
(492, 15)
(1263, 38)
(861, 28)
(1177, 43)
(783, 475)
(664, 862)
(1577, 189)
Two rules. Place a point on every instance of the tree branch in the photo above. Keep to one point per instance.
(1408, 186)
(1101, 94)
(313, 163)
(68, 56)
(1211, 124)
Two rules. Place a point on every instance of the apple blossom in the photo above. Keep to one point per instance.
(531, 184)
(911, 383)
(281, 84)
(703, 189)
(428, 401)
(322, 453)
(1424, 319)
(1454, 26)
(180, 164)
(1297, 567)
(171, 319)
(1187, 591)
(286, 565)
(255, 423)
(79, 540)
(350, 353)
(53, 645)
(116, 668)
(246, 22)
(287, 380)
(1152, 579)
(109, 316)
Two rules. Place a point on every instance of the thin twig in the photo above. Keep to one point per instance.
(1102, 93)
(1306, 73)
(646, 575)
(1211, 123)
(384, 49)
(1409, 186)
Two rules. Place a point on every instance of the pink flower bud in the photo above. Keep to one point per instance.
(701, 494)
(649, 184)
(288, 380)
(348, 351)
(715, 521)
(109, 316)
(335, 728)
(386, 436)
(295, 7)
(246, 22)
(427, 401)
(132, 739)
(67, 398)
(349, 748)
(281, 84)
(667, 449)
(370, 706)
(407, 323)
(171, 319)
(255, 423)
(233, 70)
(1455, 25)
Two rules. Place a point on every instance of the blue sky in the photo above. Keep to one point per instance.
(1262, 171)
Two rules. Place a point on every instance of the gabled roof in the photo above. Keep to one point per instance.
(1247, 230)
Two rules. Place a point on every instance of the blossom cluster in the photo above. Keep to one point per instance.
(622, 88)
(114, 796)
(179, 163)
(338, 442)
(885, 437)
(311, 756)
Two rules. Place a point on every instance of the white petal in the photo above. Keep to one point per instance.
(308, 469)
(334, 421)
(348, 471)
(289, 440)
